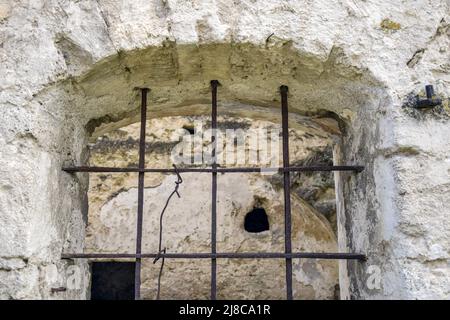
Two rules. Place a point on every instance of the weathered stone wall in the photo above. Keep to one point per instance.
(113, 203)
(70, 66)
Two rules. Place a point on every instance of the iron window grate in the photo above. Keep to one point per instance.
(286, 169)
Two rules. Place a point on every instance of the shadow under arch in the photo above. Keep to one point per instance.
(179, 75)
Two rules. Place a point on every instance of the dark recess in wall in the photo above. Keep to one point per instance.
(256, 221)
(112, 281)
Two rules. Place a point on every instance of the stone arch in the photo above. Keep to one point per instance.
(179, 75)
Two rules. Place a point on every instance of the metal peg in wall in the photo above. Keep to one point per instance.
(430, 101)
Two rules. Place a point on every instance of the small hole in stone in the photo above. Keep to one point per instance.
(256, 221)
(189, 129)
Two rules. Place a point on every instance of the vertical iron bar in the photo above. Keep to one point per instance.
(214, 84)
(137, 279)
(287, 190)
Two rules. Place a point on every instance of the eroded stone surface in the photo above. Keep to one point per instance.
(187, 229)
(65, 64)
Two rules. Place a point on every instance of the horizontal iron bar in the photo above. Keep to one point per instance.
(221, 255)
(219, 170)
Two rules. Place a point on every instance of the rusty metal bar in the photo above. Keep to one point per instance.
(214, 84)
(221, 255)
(218, 169)
(140, 209)
(287, 190)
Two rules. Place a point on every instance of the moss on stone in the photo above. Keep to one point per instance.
(388, 24)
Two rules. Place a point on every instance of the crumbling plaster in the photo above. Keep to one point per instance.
(69, 66)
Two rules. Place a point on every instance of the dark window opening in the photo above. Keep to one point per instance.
(256, 221)
(112, 281)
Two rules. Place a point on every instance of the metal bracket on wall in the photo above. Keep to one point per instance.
(430, 101)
